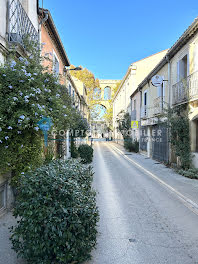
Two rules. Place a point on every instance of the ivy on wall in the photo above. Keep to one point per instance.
(180, 134)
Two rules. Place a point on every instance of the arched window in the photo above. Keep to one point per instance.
(98, 112)
(107, 93)
(97, 94)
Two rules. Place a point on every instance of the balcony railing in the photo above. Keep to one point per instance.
(133, 115)
(186, 89)
(20, 25)
(158, 105)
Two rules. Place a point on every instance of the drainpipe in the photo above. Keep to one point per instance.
(140, 108)
(169, 105)
(43, 20)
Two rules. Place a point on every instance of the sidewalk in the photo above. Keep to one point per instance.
(7, 254)
(187, 187)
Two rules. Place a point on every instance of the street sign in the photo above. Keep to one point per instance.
(134, 124)
(157, 80)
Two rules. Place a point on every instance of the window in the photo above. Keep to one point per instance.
(55, 64)
(134, 102)
(196, 136)
(145, 102)
(2, 197)
(107, 93)
(73, 95)
(70, 89)
(182, 68)
(195, 55)
(145, 98)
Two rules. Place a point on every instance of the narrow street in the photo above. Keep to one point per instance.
(141, 221)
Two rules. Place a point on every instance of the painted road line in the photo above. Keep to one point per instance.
(186, 201)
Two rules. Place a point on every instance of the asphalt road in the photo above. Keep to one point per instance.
(141, 221)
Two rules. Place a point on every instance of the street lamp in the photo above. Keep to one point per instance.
(66, 70)
(74, 69)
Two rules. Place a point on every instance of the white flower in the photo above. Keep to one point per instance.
(22, 173)
(10, 86)
(64, 106)
(35, 74)
(33, 104)
(6, 147)
(0, 129)
(57, 95)
(4, 75)
(10, 128)
(26, 62)
(36, 114)
(6, 138)
(65, 115)
(21, 93)
(19, 132)
(21, 146)
(22, 117)
(1, 141)
(38, 91)
(15, 98)
(36, 128)
(13, 63)
(22, 81)
(50, 109)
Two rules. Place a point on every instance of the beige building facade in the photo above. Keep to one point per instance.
(122, 99)
(179, 70)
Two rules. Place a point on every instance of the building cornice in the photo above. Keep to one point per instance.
(49, 23)
(124, 79)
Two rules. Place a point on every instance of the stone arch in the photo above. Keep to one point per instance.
(98, 112)
(107, 93)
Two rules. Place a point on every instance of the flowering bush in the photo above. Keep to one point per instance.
(29, 92)
(57, 214)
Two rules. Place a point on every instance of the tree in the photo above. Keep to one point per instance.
(88, 78)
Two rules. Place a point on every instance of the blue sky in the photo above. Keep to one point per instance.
(106, 36)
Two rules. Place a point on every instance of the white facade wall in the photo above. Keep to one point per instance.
(30, 6)
(135, 74)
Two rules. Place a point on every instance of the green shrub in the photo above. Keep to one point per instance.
(190, 173)
(86, 153)
(74, 150)
(130, 145)
(57, 213)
